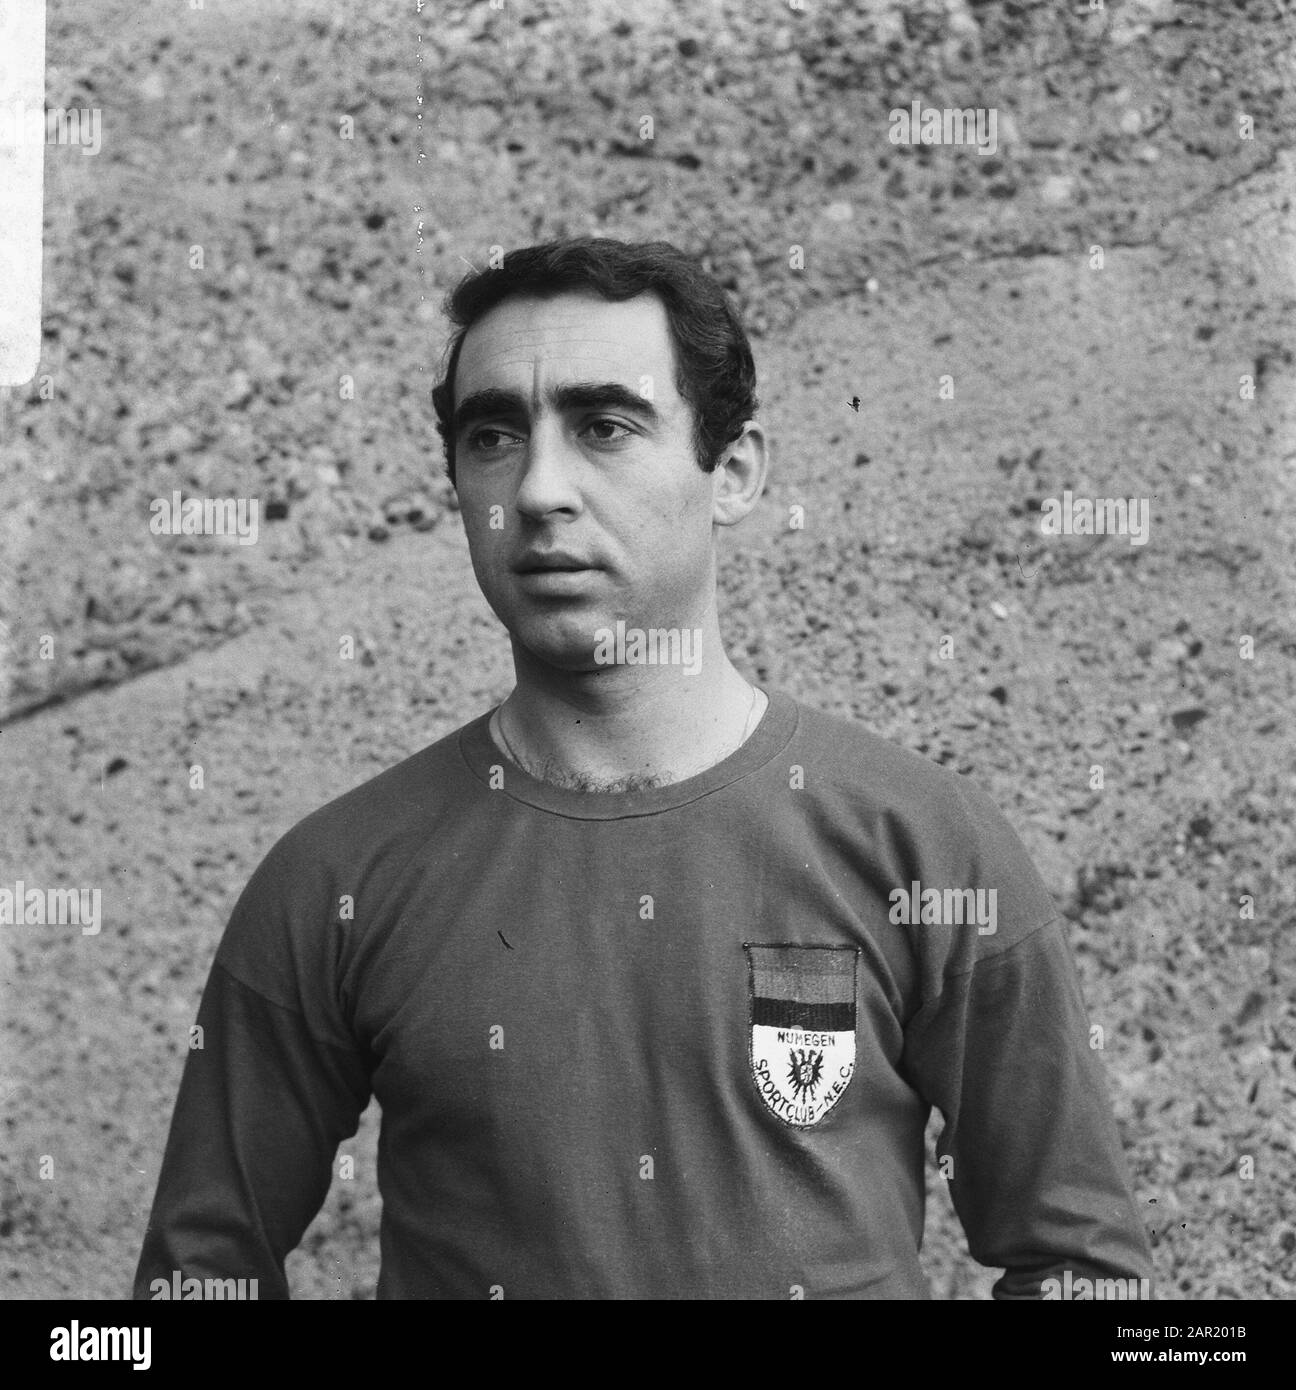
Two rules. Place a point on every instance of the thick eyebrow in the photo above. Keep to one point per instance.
(494, 403)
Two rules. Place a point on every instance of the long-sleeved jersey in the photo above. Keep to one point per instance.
(681, 1042)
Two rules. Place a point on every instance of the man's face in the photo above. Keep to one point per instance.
(578, 483)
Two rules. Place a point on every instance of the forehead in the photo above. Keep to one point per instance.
(574, 336)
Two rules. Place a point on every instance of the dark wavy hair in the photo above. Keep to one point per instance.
(715, 373)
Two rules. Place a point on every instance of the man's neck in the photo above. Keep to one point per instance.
(628, 727)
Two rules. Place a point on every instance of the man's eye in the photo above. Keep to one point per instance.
(487, 439)
(608, 431)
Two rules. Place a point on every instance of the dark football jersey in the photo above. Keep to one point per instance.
(674, 1043)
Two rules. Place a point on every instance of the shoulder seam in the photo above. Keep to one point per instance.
(987, 963)
(275, 1004)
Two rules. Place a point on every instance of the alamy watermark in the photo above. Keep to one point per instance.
(56, 125)
(945, 125)
(654, 646)
(194, 1289)
(948, 907)
(1097, 516)
(21, 906)
(76, 1343)
(206, 516)
(1071, 1289)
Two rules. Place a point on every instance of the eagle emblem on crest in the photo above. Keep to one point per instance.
(805, 1067)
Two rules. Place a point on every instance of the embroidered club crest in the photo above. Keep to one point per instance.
(802, 1028)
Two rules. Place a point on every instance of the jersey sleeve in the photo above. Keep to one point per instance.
(1038, 1177)
(275, 1085)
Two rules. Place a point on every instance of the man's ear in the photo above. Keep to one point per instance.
(739, 477)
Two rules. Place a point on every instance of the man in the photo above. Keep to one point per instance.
(655, 975)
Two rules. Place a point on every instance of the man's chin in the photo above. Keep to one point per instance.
(564, 645)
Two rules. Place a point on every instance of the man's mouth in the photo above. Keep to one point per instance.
(553, 562)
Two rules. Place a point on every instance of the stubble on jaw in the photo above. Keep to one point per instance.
(554, 774)
(582, 782)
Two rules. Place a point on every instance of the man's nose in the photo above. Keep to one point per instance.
(549, 481)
